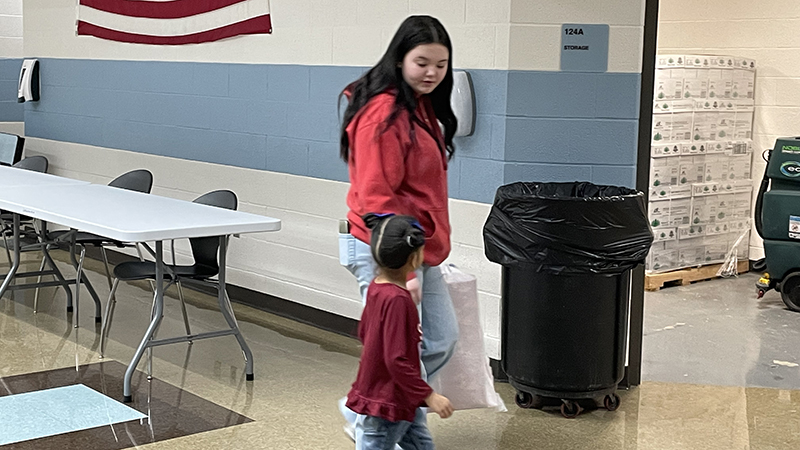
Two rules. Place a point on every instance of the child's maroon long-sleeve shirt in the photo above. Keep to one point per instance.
(389, 384)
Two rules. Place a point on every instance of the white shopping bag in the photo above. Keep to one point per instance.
(467, 378)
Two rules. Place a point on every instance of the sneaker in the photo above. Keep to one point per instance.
(350, 431)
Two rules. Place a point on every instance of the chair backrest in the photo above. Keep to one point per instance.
(136, 180)
(204, 250)
(35, 163)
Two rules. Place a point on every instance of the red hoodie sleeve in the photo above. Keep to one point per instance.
(379, 164)
(401, 350)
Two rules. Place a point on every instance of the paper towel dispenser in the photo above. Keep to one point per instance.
(462, 100)
(29, 81)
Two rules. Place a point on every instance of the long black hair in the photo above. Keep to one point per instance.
(387, 74)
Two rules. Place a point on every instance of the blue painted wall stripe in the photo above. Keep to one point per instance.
(535, 126)
(10, 110)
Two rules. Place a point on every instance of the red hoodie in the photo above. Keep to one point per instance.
(392, 173)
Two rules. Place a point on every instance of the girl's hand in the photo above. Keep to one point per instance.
(440, 405)
(414, 289)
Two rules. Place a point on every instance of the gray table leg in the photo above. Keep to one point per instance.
(98, 315)
(227, 310)
(154, 323)
(15, 264)
(59, 276)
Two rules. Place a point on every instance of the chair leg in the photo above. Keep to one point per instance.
(105, 262)
(78, 278)
(5, 243)
(183, 309)
(141, 258)
(150, 349)
(112, 302)
(36, 292)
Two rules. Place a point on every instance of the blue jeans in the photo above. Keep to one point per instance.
(438, 317)
(374, 433)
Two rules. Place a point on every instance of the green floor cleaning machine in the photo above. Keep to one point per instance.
(777, 220)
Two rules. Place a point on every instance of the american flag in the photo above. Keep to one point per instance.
(172, 22)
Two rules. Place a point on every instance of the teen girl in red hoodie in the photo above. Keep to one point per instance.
(397, 157)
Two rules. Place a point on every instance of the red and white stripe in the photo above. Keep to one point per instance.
(172, 22)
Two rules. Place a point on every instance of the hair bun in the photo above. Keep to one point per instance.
(371, 220)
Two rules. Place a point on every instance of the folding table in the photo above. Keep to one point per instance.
(136, 217)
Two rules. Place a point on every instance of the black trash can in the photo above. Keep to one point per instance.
(567, 250)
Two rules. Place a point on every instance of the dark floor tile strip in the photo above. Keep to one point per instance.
(173, 412)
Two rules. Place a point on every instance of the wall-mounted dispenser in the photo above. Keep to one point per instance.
(29, 81)
(462, 100)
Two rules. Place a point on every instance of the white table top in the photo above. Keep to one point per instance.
(13, 177)
(129, 216)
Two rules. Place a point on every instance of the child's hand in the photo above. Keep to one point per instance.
(440, 405)
(414, 289)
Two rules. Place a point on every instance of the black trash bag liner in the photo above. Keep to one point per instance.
(568, 228)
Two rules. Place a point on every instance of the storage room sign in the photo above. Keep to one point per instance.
(584, 48)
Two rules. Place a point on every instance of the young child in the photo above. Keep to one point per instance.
(389, 390)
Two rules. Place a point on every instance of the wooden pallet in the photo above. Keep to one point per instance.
(683, 277)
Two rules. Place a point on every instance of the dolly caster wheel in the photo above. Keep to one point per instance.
(570, 409)
(611, 402)
(526, 400)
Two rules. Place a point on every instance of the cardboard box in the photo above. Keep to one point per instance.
(739, 167)
(694, 148)
(717, 147)
(743, 124)
(741, 147)
(680, 211)
(665, 234)
(692, 170)
(668, 84)
(695, 83)
(722, 62)
(665, 149)
(742, 206)
(704, 126)
(664, 171)
(669, 61)
(720, 84)
(746, 64)
(704, 189)
(690, 233)
(743, 86)
(743, 186)
(716, 251)
(698, 61)
(670, 192)
(717, 168)
(692, 256)
(726, 124)
(663, 260)
(720, 228)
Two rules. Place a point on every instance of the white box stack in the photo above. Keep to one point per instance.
(701, 159)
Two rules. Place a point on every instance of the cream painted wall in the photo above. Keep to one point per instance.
(11, 29)
(17, 128)
(494, 34)
(318, 32)
(535, 31)
(764, 31)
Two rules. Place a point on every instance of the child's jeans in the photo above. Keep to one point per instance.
(374, 433)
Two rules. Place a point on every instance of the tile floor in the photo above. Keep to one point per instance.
(710, 383)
